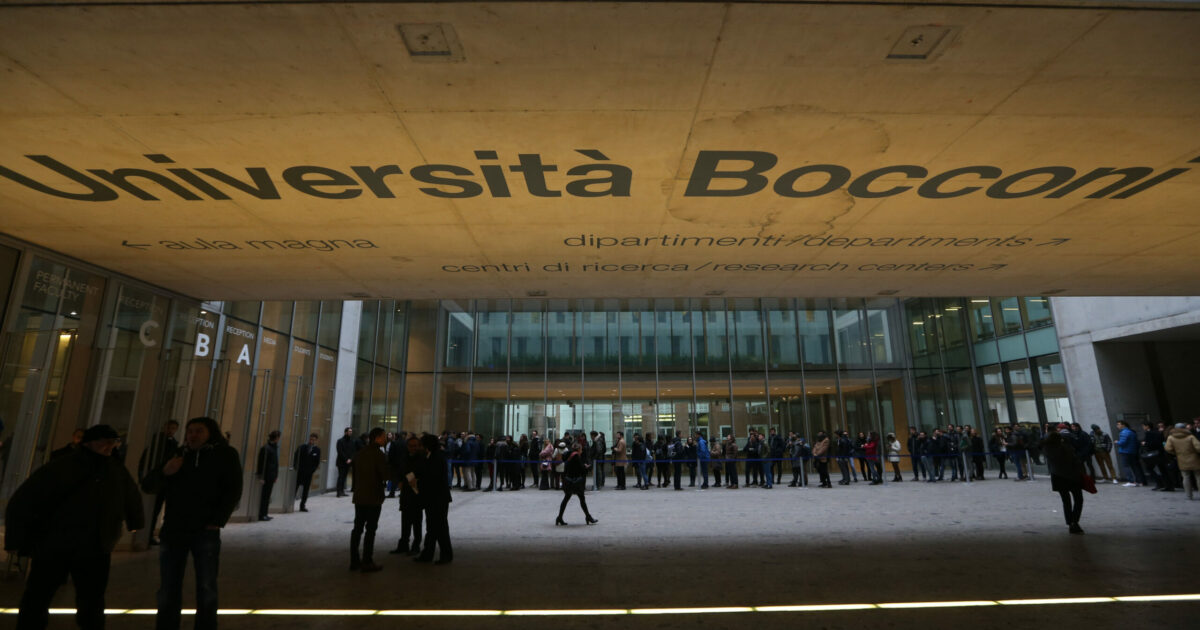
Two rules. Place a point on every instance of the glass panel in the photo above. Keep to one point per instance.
(418, 403)
(460, 336)
(331, 324)
(962, 398)
(1021, 382)
(360, 412)
(131, 359)
(246, 311)
(277, 316)
(749, 407)
(367, 327)
(399, 344)
(710, 322)
(1054, 390)
(304, 326)
(1041, 341)
(454, 403)
(851, 333)
(489, 396)
(383, 331)
(673, 335)
(814, 333)
(1036, 312)
(995, 401)
(783, 338)
(820, 392)
(639, 394)
(528, 344)
(1011, 348)
(636, 328)
(858, 400)
(745, 335)
(787, 403)
(982, 324)
(422, 342)
(8, 269)
(931, 403)
(674, 409)
(1009, 313)
(886, 335)
(562, 326)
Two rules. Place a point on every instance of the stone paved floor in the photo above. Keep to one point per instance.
(991, 540)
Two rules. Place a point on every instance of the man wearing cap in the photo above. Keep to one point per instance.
(68, 517)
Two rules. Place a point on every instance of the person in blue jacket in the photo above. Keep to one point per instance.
(1127, 449)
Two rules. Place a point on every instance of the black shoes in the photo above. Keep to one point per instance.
(370, 567)
(422, 559)
(1075, 528)
(303, 509)
(591, 521)
(559, 521)
(444, 560)
(264, 518)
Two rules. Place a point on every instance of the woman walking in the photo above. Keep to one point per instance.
(1066, 477)
(574, 476)
(894, 456)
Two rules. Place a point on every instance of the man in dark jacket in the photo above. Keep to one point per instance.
(935, 451)
(346, 448)
(70, 448)
(203, 484)
(410, 504)
(68, 517)
(915, 448)
(162, 447)
(434, 492)
(267, 470)
(533, 456)
(308, 460)
(370, 476)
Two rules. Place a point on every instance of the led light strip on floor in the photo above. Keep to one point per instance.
(565, 612)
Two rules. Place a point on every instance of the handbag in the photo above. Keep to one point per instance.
(1148, 453)
(1089, 484)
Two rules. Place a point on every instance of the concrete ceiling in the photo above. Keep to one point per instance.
(657, 89)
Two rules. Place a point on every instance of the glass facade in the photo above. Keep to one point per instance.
(713, 365)
(80, 346)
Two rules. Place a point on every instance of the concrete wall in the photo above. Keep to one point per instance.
(1107, 377)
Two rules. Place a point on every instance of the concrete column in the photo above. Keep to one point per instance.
(343, 384)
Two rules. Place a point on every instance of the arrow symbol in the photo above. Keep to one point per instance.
(1054, 242)
(137, 246)
(993, 267)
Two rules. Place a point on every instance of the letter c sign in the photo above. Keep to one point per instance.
(144, 333)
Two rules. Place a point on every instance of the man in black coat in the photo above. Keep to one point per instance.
(267, 470)
(308, 460)
(68, 517)
(162, 447)
(203, 484)
(433, 488)
(914, 453)
(410, 503)
(346, 448)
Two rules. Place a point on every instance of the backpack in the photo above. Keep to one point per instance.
(672, 450)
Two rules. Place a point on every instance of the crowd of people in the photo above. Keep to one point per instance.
(68, 515)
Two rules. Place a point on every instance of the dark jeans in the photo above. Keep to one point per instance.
(1134, 464)
(343, 470)
(692, 473)
(264, 500)
(1002, 461)
(678, 475)
(1156, 467)
(437, 532)
(777, 467)
(823, 472)
(620, 470)
(205, 548)
(302, 484)
(918, 467)
(48, 572)
(1072, 512)
(956, 466)
(366, 521)
(846, 468)
(704, 473)
(731, 475)
(410, 526)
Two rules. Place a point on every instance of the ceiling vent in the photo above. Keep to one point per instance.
(921, 43)
(432, 41)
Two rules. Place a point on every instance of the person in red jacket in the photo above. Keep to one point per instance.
(871, 451)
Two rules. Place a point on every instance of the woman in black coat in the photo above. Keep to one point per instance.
(574, 476)
(1066, 477)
